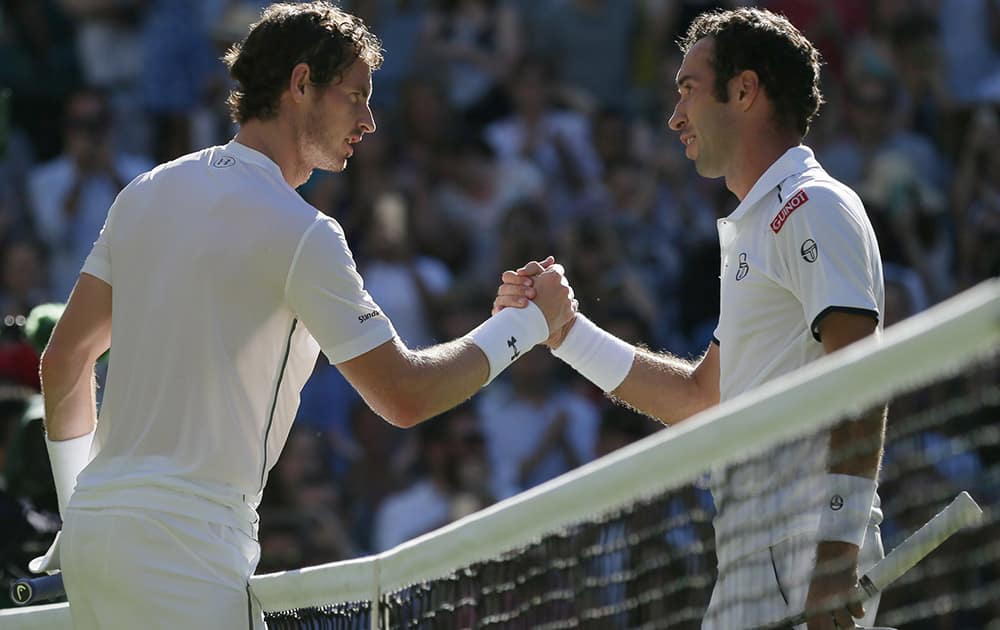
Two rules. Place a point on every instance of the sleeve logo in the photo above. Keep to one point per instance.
(786, 211)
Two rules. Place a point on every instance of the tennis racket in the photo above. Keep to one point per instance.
(961, 512)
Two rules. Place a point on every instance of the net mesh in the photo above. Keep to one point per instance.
(653, 559)
(652, 564)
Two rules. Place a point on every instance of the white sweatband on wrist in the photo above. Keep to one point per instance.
(605, 360)
(68, 458)
(507, 335)
(846, 508)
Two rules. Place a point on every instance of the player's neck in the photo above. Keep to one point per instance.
(270, 138)
(754, 156)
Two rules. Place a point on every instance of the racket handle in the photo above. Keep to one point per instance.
(27, 591)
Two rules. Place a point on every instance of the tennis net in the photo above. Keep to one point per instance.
(627, 541)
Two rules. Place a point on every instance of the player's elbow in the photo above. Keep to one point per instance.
(401, 409)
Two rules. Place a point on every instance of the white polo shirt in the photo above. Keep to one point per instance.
(797, 247)
(226, 284)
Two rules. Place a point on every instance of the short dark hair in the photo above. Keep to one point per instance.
(317, 33)
(786, 63)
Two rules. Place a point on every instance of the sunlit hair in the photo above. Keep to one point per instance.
(786, 63)
(287, 34)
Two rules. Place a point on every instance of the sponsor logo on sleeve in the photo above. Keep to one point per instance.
(786, 211)
(364, 318)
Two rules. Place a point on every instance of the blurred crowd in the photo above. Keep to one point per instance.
(507, 130)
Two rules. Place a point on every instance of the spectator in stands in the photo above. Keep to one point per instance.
(976, 199)
(71, 194)
(474, 44)
(22, 276)
(408, 286)
(557, 141)
(588, 43)
(39, 66)
(535, 427)
(440, 494)
(478, 191)
(873, 127)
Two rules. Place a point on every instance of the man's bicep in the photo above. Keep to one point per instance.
(706, 373)
(841, 328)
(84, 329)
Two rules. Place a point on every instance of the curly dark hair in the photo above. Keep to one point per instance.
(786, 63)
(287, 34)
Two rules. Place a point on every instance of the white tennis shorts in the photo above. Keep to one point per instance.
(126, 568)
(770, 585)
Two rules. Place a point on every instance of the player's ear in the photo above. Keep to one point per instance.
(745, 88)
(299, 81)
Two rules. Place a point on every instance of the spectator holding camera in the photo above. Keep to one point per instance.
(70, 195)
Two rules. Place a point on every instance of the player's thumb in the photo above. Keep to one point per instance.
(534, 267)
(856, 609)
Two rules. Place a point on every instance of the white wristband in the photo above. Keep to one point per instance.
(846, 508)
(507, 335)
(605, 360)
(68, 458)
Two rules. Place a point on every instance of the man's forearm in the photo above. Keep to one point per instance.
(70, 402)
(856, 445)
(665, 387)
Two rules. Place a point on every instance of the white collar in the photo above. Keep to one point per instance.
(796, 160)
(253, 156)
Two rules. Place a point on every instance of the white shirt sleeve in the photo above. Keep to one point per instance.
(98, 262)
(327, 293)
(827, 252)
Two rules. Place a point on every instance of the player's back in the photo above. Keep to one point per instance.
(206, 360)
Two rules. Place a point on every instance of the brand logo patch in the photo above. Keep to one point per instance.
(22, 593)
(364, 318)
(224, 162)
(790, 206)
(744, 268)
(836, 503)
(809, 251)
(512, 344)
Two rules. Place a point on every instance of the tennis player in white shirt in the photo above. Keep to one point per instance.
(217, 286)
(801, 277)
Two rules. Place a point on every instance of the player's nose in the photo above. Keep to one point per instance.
(677, 119)
(367, 122)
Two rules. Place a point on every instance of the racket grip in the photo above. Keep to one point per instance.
(27, 591)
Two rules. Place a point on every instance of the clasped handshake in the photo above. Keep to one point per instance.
(545, 284)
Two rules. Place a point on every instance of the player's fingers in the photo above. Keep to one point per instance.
(821, 621)
(842, 619)
(536, 267)
(505, 301)
(531, 269)
(516, 290)
(512, 277)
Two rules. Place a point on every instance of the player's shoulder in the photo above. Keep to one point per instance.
(813, 196)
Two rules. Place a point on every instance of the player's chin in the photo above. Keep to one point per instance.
(336, 165)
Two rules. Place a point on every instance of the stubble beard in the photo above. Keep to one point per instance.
(319, 150)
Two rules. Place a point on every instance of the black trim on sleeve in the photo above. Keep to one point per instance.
(715, 340)
(842, 309)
